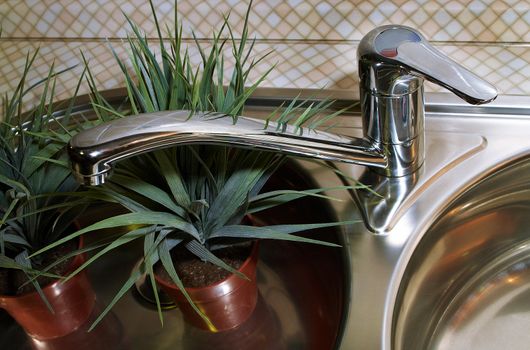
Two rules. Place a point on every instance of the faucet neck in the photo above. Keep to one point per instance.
(393, 113)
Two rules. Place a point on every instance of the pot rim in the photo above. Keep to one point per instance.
(251, 256)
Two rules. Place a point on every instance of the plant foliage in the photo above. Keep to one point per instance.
(195, 196)
(33, 175)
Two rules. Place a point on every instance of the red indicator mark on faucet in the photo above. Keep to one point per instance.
(389, 52)
(388, 41)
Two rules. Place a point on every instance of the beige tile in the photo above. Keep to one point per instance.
(443, 20)
(299, 65)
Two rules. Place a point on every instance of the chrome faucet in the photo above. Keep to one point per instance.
(393, 62)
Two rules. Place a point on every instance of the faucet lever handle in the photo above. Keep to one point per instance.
(407, 48)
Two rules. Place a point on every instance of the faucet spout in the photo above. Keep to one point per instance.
(393, 63)
(93, 152)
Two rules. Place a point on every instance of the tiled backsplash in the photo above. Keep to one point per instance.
(442, 20)
(313, 42)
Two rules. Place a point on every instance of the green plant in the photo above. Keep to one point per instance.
(33, 176)
(196, 196)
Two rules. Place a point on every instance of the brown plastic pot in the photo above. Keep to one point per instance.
(227, 303)
(72, 302)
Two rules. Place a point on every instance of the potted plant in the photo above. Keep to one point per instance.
(193, 206)
(35, 211)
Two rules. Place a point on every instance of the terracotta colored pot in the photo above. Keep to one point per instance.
(227, 303)
(72, 303)
(262, 330)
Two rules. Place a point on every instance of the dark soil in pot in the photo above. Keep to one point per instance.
(195, 273)
(13, 282)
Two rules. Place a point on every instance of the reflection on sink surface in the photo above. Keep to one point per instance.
(302, 293)
(467, 285)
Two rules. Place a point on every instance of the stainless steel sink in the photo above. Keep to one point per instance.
(452, 272)
(467, 285)
(448, 272)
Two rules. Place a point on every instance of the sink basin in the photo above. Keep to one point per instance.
(452, 272)
(301, 300)
(467, 285)
(303, 288)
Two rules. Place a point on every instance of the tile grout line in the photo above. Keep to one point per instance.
(258, 41)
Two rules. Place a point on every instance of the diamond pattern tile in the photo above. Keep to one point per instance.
(62, 55)
(313, 41)
(460, 20)
(298, 65)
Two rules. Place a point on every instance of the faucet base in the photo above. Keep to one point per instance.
(383, 203)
